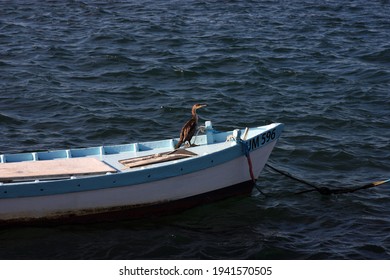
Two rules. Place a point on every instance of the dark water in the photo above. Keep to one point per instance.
(82, 73)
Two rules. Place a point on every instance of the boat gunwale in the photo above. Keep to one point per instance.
(137, 175)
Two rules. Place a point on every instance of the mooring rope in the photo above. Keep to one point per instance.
(320, 189)
(245, 146)
(326, 190)
(248, 157)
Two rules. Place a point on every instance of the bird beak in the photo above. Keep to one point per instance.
(202, 105)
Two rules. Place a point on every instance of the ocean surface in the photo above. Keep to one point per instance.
(84, 73)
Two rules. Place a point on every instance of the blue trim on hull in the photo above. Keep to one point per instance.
(150, 174)
(119, 179)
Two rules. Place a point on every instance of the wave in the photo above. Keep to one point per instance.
(10, 120)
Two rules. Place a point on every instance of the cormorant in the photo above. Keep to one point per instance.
(189, 128)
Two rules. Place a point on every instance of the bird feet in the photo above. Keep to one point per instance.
(189, 145)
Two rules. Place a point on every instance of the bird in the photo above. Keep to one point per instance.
(189, 127)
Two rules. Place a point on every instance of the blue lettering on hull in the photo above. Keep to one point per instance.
(262, 139)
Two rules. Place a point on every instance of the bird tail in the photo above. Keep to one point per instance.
(178, 144)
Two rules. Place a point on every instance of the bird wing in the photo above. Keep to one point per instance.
(187, 132)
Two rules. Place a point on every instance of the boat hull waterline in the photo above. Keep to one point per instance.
(216, 168)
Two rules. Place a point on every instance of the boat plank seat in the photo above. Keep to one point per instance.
(30, 170)
(157, 158)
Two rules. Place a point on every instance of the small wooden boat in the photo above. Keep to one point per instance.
(131, 180)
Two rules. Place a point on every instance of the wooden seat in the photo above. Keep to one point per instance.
(45, 169)
(157, 158)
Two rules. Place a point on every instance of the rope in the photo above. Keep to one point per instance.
(326, 190)
(288, 175)
(320, 189)
(248, 157)
(250, 166)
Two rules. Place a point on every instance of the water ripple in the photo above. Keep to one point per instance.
(81, 73)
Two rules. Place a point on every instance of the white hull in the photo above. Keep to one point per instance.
(101, 201)
(131, 180)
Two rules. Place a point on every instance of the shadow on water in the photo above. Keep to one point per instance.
(164, 237)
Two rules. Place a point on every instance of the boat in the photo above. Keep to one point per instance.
(135, 180)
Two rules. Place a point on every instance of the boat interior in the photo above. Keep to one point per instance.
(59, 164)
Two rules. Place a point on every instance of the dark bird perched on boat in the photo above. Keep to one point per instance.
(190, 126)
